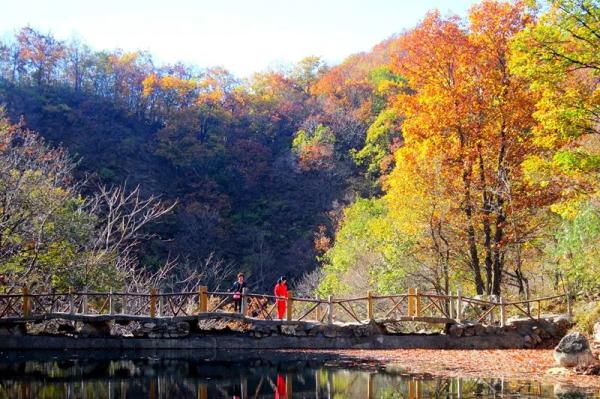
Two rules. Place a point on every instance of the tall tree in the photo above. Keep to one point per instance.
(475, 116)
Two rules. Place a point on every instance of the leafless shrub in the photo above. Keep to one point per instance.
(307, 286)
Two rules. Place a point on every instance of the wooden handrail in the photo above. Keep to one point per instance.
(547, 298)
(188, 303)
(254, 295)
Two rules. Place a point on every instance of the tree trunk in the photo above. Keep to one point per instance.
(471, 239)
(487, 231)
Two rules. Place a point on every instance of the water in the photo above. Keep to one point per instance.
(246, 377)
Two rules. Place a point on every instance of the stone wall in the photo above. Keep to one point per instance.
(253, 334)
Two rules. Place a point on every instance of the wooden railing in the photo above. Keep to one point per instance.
(412, 306)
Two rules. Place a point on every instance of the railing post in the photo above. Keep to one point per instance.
(153, 302)
(494, 300)
(71, 301)
(417, 303)
(26, 307)
(502, 312)
(84, 303)
(124, 306)
(318, 309)
(202, 391)
(539, 309)
(290, 306)
(369, 305)
(289, 388)
(203, 299)
(244, 304)
(411, 301)
(459, 306)
(111, 308)
(569, 310)
(329, 310)
(160, 300)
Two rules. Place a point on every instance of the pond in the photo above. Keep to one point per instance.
(259, 376)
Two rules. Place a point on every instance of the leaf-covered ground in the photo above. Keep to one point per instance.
(529, 364)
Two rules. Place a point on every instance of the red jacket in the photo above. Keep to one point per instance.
(281, 290)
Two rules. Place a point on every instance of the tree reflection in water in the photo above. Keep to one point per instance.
(174, 379)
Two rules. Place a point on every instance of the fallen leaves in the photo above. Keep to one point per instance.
(517, 364)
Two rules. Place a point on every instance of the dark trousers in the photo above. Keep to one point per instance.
(237, 305)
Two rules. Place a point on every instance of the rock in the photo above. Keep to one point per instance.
(594, 369)
(529, 341)
(543, 333)
(455, 331)
(469, 331)
(330, 333)
(561, 325)
(288, 330)
(568, 391)
(95, 329)
(560, 371)
(597, 331)
(15, 329)
(490, 330)
(183, 327)
(66, 328)
(479, 329)
(574, 351)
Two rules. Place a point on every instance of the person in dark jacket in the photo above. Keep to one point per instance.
(237, 288)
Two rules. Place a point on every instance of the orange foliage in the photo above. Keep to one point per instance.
(474, 117)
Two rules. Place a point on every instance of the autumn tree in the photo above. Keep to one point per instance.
(40, 53)
(52, 235)
(559, 54)
(477, 114)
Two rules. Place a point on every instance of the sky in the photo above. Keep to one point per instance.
(244, 36)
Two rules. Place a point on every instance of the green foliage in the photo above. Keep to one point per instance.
(319, 136)
(559, 54)
(377, 151)
(569, 160)
(386, 83)
(577, 247)
(48, 232)
(369, 252)
(586, 315)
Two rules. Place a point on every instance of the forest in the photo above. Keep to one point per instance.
(463, 153)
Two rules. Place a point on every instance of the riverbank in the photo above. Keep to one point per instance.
(515, 364)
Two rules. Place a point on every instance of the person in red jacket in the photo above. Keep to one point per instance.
(281, 392)
(281, 293)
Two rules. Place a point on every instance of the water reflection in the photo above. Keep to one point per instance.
(162, 379)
